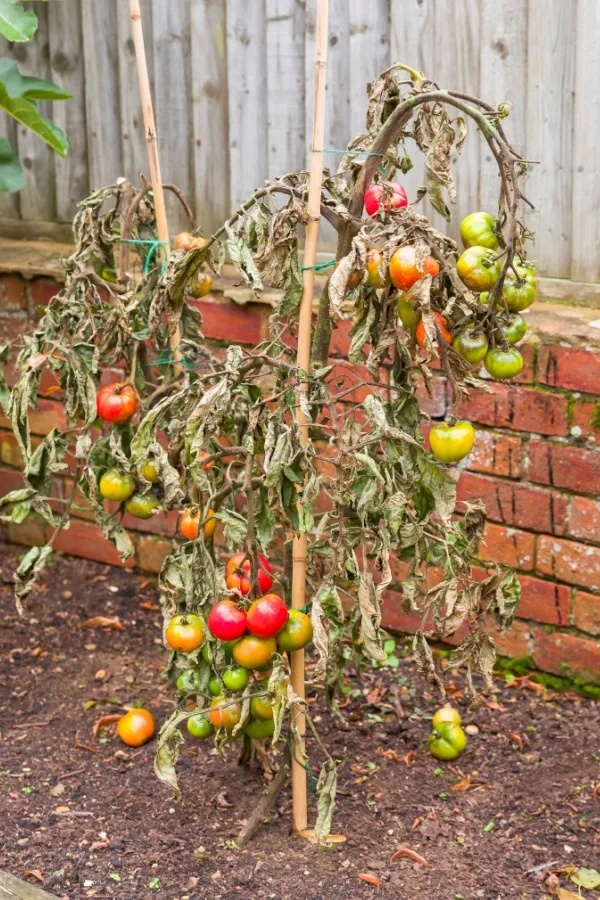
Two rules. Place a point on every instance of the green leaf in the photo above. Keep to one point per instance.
(489, 827)
(587, 878)
(12, 176)
(16, 23)
(18, 94)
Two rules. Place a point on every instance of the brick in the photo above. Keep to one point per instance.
(514, 642)
(164, 524)
(527, 373)
(569, 561)
(13, 295)
(10, 480)
(509, 546)
(10, 452)
(50, 414)
(585, 420)
(517, 408)
(85, 539)
(343, 381)
(514, 503)
(43, 290)
(394, 618)
(564, 466)
(436, 404)
(31, 532)
(151, 553)
(496, 454)
(570, 368)
(227, 321)
(544, 601)
(585, 519)
(340, 339)
(567, 655)
(586, 611)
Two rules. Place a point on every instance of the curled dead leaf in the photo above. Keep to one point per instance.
(463, 785)
(310, 836)
(407, 853)
(34, 873)
(596, 792)
(105, 720)
(148, 604)
(370, 879)
(516, 739)
(417, 823)
(113, 622)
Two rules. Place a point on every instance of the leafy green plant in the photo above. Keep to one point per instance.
(19, 95)
(217, 430)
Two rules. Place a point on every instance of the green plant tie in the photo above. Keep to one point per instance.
(318, 268)
(169, 359)
(349, 152)
(153, 245)
(312, 781)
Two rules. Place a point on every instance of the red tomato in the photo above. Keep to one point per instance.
(441, 324)
(238, 574)
(267, 616)
(116, 402)
(385, 195)
(403, 268)
(226, 621)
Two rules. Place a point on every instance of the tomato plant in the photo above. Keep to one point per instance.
(116, 402)
(224, 713)
(200, 726)
(253, 652)
(260, 729)
(374, 259)
(440, 325)
(235, 679)
(201, 285)
(296, 633)
(185, 633)
(149, 471)
(136, 727)
(115, 485)
(238, 572)
(189, 681)
(406, 268)
(261, 707)
(513, 328)
(520, 290)
(189, 524)
(384, 196)
(408, 315)
(447, 741)
(142, 506)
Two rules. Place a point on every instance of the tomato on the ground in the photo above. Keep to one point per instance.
(441, 323)
(238, 571)
(116, 402)
(142, 506)
(235, 679)
(259, 729)
(384, 196)
(446, 714)
(471, 345)
(451, 443)
(267, 616)
(503, 364)
(115, 485)
(185, 633)
(227, 717)
(447, 741)
(478, 269)
(477, 230)
(252, 652)
(199, 726)
(226, 621)
(296, 633)
(404, 271)
(136, 727)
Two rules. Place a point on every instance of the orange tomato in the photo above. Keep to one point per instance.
(185, 240)
(185, 633)
(252, 652)
(373, 260)
(228, 717)
(441, 323)
(189, 524)
(354, 280)
(135, 727)
(261, 708)
(403, 268)
(204, 455)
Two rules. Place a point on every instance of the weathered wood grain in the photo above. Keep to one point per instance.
(286, 95)
(369, 29)
(12, 888)
(133, 139)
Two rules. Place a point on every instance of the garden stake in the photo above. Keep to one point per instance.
(300, 544)
(151, 143)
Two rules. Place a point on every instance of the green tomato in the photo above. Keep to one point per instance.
(450, 443)
(296, 633)
(409, 316)
(115, 485)
(447, 741)
(214, 686)
(259, 729)
(514, 328)
(520, 293)
(478, 269)
(503, 363)
(471, 345)
(150, 472)
(477, 230)
(199, 726)
(189, 681)
(235, 679)
(142, 506)
(446, 714)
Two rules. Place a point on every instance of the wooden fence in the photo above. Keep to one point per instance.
(232, 86)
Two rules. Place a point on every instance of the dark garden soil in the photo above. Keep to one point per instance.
(86, 817)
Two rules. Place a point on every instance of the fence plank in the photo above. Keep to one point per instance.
(134, 152)
(247, 77)
(100, 42)
(369, 30)
(66, 62)
(36, 156)
(209, 112)
(585, 261)
(286, 85)
(550, 72)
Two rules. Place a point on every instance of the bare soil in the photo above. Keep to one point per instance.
(86, 816)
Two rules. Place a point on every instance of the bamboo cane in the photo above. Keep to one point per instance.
(300, 544)
(151, 143)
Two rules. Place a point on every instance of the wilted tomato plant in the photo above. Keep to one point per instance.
(217, 439)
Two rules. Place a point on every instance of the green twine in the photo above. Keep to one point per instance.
(169, 359)
(154, 245)
(349, 152)
(318, 268)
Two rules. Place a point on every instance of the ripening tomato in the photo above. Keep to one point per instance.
(514, 328)
(354, 280)
(115, 485)
(404, 271)
(252, 652)
(446, 714)
(260, 729)
(235, 679)
(185, 633)
(116, 402)
(374, 258)
(210, 523)
(185, 240)
(229, 716)
(189, 681)
(261, 708)
(215, 688)
(189, 524)
(471, 345)
(478, 269)
(477, 230)
(199, 726)
(267, 616)
(296, 633)
(142, 506)
(503, 363)
(384, 196)
(201, 285)
(149, 471)
(408, 315)
(447, 741)
(519, 293)
(202, 454)
(449, 443)
(441, 323)
(226, 622)
(237, 573)
(136, 727)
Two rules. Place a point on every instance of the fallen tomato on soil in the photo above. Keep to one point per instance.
(447, 741)
(136, 727)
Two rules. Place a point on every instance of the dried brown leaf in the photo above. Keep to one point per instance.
(407, 853)
(463, 785)
(34, 873)
(370, 879)
(105, 720)
(113, 622)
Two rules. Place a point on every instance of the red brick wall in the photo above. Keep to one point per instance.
(536, 465)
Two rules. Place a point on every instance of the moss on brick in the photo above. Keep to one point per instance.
(525, 665)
